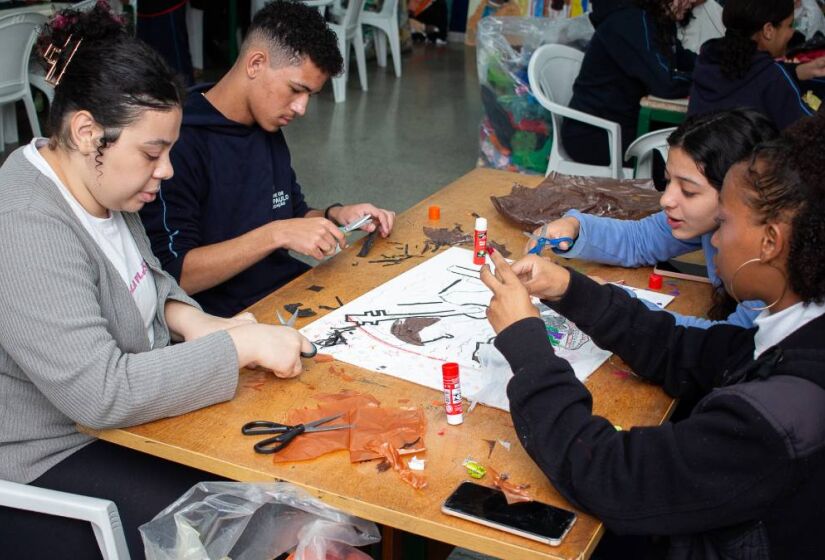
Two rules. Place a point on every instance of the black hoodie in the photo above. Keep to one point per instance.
(768, 87)
(622, 64)
(229, 179)
(742, 477)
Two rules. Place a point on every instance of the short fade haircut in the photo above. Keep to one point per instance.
(294, 31)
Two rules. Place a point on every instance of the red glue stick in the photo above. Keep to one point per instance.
(452, 394)
(480, 242)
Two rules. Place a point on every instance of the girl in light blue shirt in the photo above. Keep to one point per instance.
(702, 150)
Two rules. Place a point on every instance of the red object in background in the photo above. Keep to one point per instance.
(434, 213)
(654, 281)
(808, 56)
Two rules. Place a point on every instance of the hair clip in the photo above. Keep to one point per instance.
(52, 57)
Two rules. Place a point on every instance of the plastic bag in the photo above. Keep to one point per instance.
(516, 132)
(216, 520)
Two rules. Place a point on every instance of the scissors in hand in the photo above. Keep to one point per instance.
(542, 241)
(291, 323)
(357, 224)
(287, 433)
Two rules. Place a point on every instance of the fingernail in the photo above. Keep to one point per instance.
(491, 249)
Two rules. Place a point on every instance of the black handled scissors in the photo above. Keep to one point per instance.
(287, 433)
(291, 323)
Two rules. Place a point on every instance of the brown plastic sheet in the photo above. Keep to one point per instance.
(529, 208)
(402, 429)
(309, 446)
(514, 493)
(393, 457)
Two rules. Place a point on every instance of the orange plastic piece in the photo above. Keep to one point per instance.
(434, 213)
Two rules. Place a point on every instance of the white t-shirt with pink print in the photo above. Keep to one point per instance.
(114, 239)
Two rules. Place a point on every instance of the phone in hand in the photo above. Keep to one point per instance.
(683, 269)
(488, 506)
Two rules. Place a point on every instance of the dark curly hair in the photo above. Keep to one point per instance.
(664, 24)
(715, 142)
(294, 31)
(743, 18)
(786, 184)
(112, 75)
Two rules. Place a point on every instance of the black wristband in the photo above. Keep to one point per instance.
(330, 207)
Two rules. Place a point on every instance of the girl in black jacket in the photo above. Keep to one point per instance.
(634, 52)
(744, 474)
(740, 70)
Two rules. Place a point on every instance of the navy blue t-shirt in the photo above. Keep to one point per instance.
(229, 179)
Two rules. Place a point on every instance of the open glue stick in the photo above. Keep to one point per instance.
(452, 393)
(480, 241)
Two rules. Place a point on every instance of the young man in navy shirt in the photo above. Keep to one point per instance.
(224, 223)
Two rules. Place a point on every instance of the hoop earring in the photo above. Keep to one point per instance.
(748, 307)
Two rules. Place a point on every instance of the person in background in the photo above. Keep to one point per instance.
(162, 24)
(744, 474)
(87, 314)
(702, 150)
(740, 70)
(223, 224)
(634, 52)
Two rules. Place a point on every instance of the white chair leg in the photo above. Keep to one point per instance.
(339, 83)
(380, 46)
(28, 102)
(360, 56)
(339, 88)
(395, 48)
(194, 27)
(9, 124)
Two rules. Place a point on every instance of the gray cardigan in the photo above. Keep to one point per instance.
(73, 347)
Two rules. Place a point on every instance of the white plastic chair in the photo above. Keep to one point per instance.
(102, 514)
(643, 149)
(551, 72)
(17, 35)
(385, 23)
(349, 33)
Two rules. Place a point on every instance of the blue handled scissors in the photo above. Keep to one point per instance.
(542, 241)
(287, 433)
(291, 323)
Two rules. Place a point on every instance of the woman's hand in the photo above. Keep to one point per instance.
(567, 226)
(511, 302)
(542, 277)
(272, 347)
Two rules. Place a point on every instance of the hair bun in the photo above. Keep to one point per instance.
(96, 25)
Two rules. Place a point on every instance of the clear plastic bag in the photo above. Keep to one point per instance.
(241, 521)
(516, 132)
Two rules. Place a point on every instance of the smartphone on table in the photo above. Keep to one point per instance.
(488, 506)
(683, 269)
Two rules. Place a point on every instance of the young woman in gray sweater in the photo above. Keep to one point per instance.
(87, 314)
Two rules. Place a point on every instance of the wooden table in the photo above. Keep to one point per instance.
(210, 439)
(670, 111)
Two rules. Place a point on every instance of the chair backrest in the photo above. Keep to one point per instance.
(352, 16)
(84, 6)
(389, 9)
(552, 71)
(102, 514)
(17, 35)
